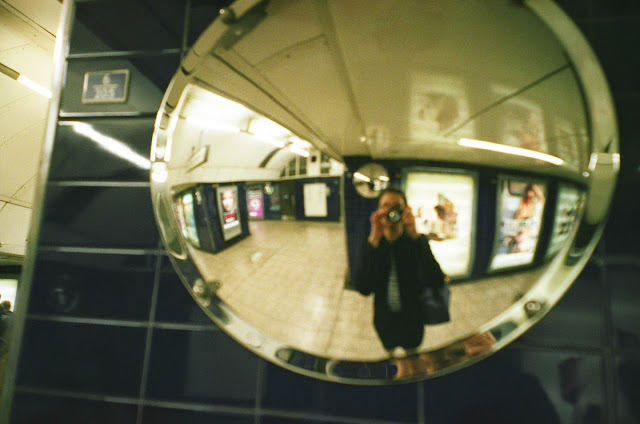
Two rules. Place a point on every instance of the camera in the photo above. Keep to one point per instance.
(395, 215)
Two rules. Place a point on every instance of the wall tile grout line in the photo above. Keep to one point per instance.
(124, 53)
(202, 407)
(557, 348)
(88, 321)
(608, 372)
(64, 116)
(421, 409)
(173, 326)
(149, 338)
(260, 379)
(99, 250)
(95, 183)
(77, 395)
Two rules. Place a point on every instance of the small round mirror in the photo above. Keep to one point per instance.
(374, 192)
(370, 179)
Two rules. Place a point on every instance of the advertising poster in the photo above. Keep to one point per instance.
(229, 214)
(255, 203)
(444, 206)
(8, 289)
(520, 207)
(315, 200)
(569, 201)
(187, 218)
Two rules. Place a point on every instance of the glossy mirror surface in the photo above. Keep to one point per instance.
(287, 119)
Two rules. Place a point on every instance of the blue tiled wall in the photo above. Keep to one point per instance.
(111, 336)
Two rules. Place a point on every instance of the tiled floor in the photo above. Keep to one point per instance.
(287, 278)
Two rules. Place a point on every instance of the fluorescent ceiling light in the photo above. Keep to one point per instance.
(265, 127)
(299, 151)
(34, 86)
(298, 142)
(361, 177)
(510, 150)
(233, 129)
(12, 73)
(109, 144)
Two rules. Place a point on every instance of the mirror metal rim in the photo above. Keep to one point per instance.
(505, 328)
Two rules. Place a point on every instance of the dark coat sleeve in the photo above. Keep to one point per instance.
(370, 268)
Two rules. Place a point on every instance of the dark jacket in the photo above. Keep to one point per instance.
(416, 267)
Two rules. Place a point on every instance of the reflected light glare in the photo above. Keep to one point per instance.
(361, 177)
(110, 144)
(518, 151)
(616, 161)
(34, 86)
(159, 172)
(383, 178)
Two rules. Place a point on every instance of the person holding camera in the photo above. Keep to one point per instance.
(395, 264)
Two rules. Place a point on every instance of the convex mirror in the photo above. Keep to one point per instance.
(287, 123)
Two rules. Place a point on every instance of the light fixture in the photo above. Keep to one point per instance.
(298, 151)
(11, 73)
(361, 177)
(510, 150)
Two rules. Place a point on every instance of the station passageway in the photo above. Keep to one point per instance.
(288, 279)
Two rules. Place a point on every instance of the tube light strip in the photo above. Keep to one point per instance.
(13, 74)
(518, 151)
(361, 177)
(299, 151)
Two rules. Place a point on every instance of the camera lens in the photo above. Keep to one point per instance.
(394, 215)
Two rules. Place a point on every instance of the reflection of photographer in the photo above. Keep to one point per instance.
(396, 265)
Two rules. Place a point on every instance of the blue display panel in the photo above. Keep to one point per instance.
(186, 217)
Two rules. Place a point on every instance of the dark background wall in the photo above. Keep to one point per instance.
(112, 336)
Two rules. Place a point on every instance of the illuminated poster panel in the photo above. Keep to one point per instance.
(444, 206)
(567, 205)
(187, 218)
(315, 200)
(255, 203)
(229, 214)
(8, 289)
(520, 207)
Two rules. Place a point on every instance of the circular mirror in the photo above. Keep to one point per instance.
(370, 179)
(490, 127)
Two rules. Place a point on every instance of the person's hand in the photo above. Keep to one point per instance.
(378, 224)
(409, 222)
